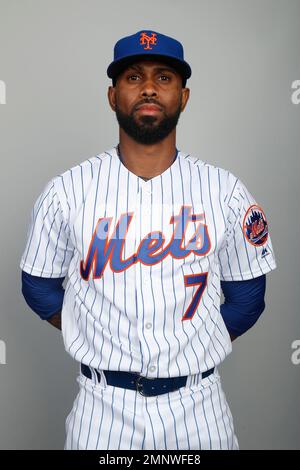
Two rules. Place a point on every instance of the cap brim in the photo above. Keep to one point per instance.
(115, 68)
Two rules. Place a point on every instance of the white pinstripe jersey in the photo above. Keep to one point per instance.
(144, 260)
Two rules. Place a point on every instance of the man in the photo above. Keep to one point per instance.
(146, 236)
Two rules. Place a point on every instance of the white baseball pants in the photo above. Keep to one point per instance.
(195, 417)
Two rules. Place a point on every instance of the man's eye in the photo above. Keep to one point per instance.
(164, 78)
(133, 77)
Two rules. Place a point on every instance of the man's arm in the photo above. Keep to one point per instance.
(55, 320)
(244, 303)
(232, 336)
(44, 296)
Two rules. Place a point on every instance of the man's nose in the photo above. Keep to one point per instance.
(149, 88)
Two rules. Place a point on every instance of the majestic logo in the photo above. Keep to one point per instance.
(255, 226)
(146, 40)
(265, 253)
(152, 248)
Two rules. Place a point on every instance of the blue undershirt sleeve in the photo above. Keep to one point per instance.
(244, 303)
(244, 300)
(43, 295)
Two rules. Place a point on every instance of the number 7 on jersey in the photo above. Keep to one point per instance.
(194, 280)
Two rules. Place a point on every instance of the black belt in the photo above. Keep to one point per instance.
(146, 386)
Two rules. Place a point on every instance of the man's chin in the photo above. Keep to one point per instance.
(147, 129)
(147, 121)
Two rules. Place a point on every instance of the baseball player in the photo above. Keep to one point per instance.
(146, 237)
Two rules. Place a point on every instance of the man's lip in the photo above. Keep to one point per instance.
(148, 107)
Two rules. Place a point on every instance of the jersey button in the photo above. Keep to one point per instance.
(148, 326)
(152, 368)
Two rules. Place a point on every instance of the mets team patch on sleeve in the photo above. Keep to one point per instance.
(255, 226)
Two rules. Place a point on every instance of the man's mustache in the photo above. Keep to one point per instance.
(148, 101)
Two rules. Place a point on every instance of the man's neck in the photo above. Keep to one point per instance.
(145, 179)
(147, 161)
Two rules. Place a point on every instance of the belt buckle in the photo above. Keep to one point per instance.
(139, 385)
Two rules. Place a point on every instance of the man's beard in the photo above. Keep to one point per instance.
(145, 130)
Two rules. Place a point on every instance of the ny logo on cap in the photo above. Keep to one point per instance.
(146, 40)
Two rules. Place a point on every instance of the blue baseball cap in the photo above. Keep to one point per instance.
(150, 44)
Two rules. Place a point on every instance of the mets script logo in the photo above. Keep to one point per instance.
(146, 40)
(255, 226)
(104, 249)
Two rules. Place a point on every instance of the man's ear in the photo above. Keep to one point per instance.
(185, 97)
(111, 94)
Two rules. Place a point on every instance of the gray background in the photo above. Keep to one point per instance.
(244, 56)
